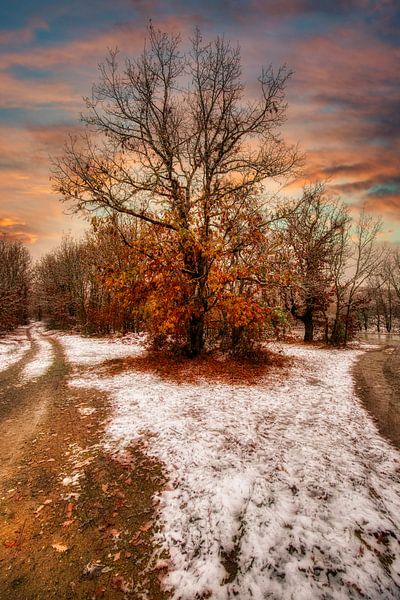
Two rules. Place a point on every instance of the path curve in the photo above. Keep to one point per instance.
(377, 380)
(23, 403)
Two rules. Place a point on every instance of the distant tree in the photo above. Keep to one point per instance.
(74, 283)
(310, 236)
(382, 296)
(15, 279)
(61, 278)
(393, 271)
(172, 142)
(359, 257)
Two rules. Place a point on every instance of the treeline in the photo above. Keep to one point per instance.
(15, 281)
(313, 265)
(381, 307)
(74, 288)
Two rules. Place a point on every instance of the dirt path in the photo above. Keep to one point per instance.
(377, 376)
(74, 521)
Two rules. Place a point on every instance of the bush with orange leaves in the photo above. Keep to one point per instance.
(232, 302)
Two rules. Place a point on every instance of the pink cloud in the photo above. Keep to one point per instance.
(23, 93)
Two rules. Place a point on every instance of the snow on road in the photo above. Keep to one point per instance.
(13, 347)
(43, 358)
(282, 490)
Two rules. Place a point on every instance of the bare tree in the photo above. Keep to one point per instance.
(171, 141)
(393, 271)
(358, 260)
(15, 279)
(311, 235)
(71, 281)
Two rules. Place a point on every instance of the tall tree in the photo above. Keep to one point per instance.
(172, 142)
(310, 236)
(357, 260)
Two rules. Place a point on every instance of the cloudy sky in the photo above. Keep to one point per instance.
(344, 96)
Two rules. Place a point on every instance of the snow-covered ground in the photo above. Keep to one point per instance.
(90, 351)
(282, 490)
(12, 347)
(43, 358)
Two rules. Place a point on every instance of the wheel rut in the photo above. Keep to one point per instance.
(75, 522)
(377, 379)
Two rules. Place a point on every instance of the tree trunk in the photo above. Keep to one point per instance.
(335, 334)
(195, 263)
(308, 325)
(347, 323)
(195, 343)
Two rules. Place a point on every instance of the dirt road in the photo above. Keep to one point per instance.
(377, 376)
(74, 522)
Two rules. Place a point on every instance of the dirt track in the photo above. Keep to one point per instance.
(377, 376)
(92, 540)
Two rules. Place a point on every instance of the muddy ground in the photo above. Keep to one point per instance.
(92, 538)
(377, 378)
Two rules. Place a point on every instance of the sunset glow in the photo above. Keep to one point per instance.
(343, 98)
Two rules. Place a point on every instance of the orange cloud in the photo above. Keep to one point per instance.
(30, 210)
(15, 229)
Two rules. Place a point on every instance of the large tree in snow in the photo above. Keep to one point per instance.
(173, 142)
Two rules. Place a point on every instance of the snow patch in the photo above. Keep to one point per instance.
(13, 346)
(91, 351)
(72, 480)
(44, 357)
(282, 490)
(78, 459)
(86, 410)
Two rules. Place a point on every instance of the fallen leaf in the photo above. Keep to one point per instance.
(10, 543)
(117, 556)
(59, 547)
(115, 534)
(161, 564)
(92, 569)
(104, 487)
(147, 526)
(68, 523)
(99, 592)
(69, 509)
(121, 584)
(135, 537)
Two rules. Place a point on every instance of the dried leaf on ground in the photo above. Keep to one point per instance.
(121, 584)
(69, 509)
(10, 543)
(148, 525)
(59, 547)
